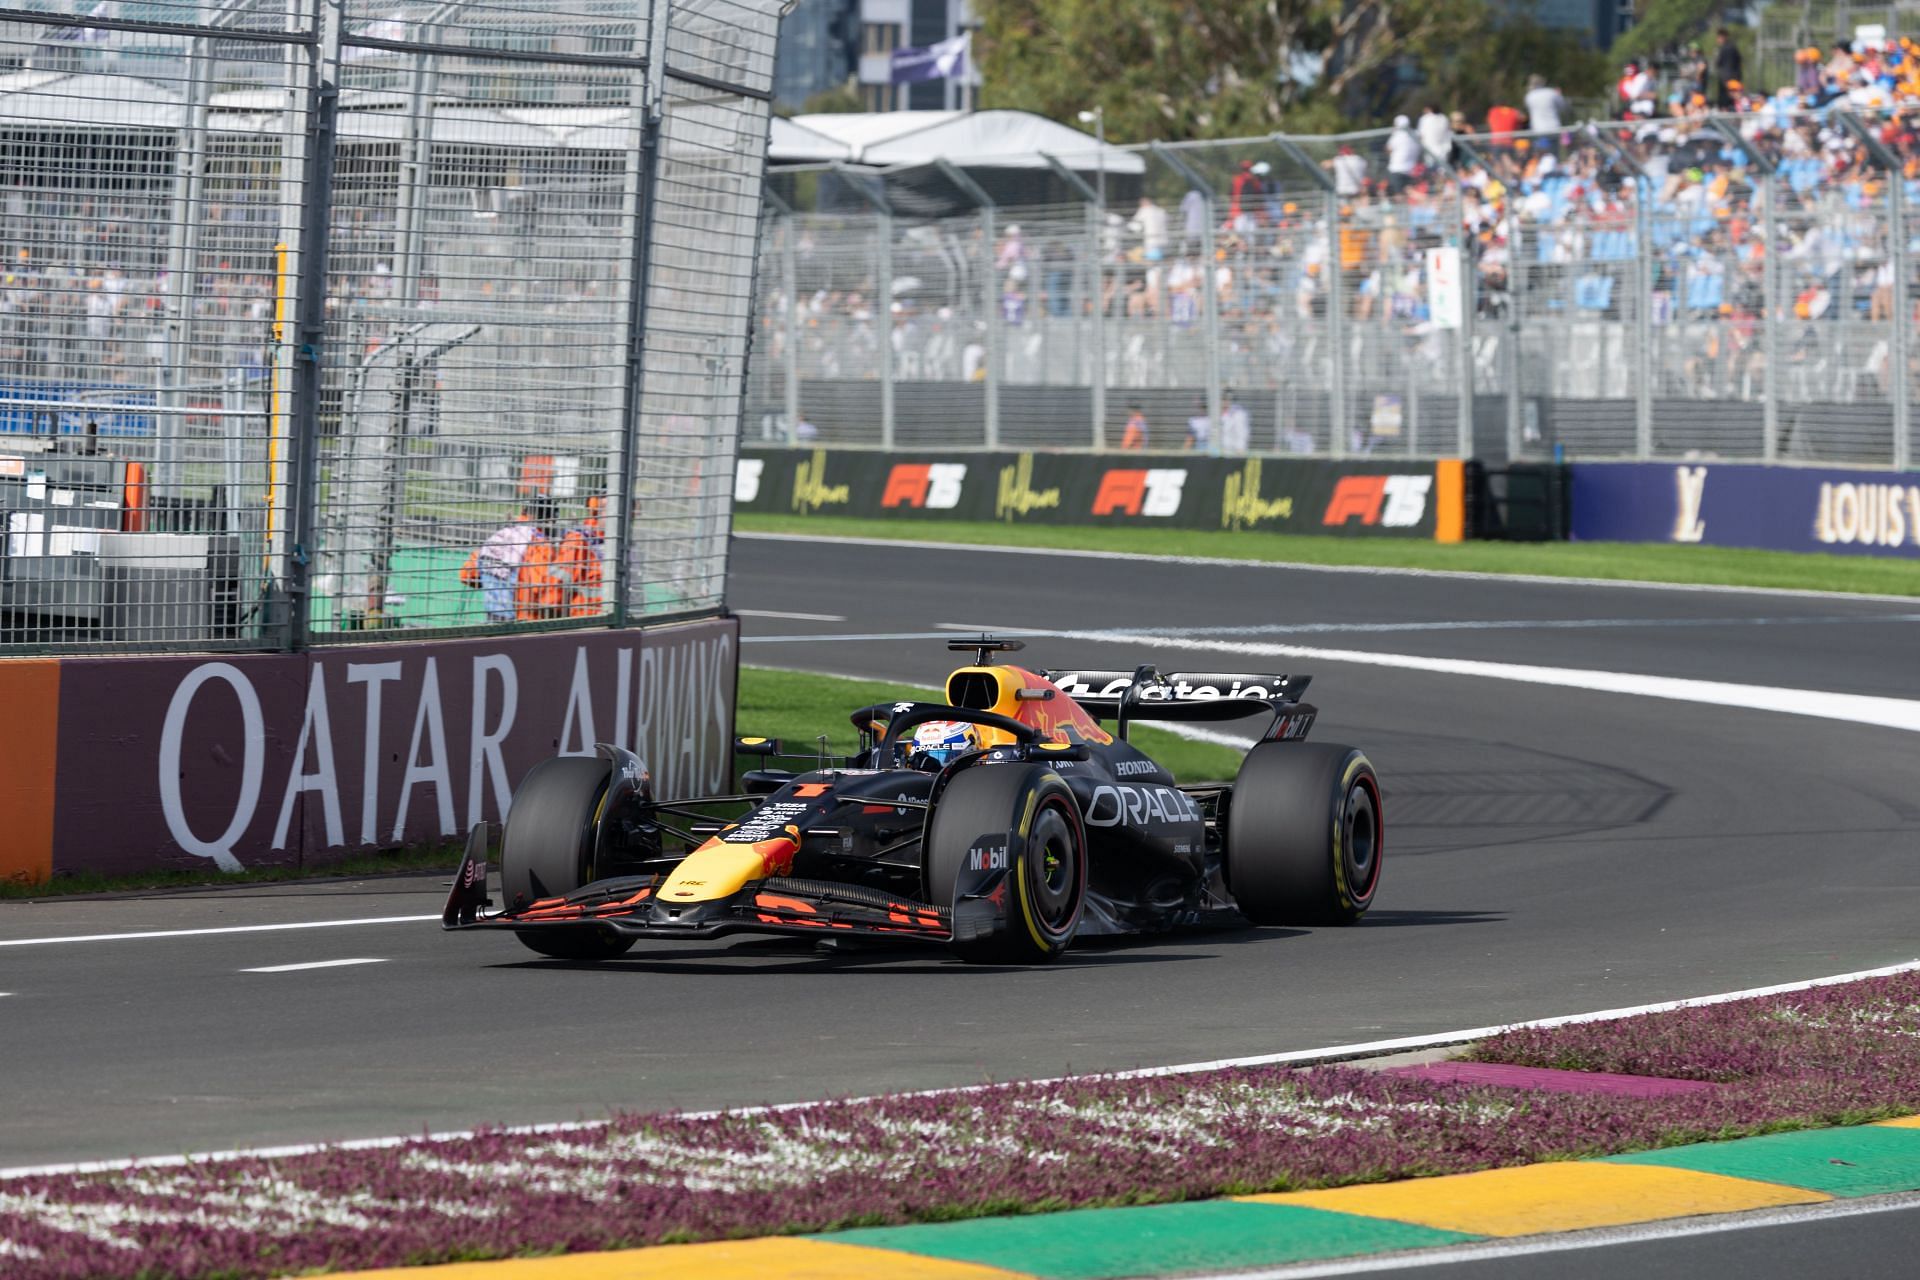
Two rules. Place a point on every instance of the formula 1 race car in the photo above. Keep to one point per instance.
(1000, 824)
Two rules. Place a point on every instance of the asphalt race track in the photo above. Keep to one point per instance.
(1551, 850)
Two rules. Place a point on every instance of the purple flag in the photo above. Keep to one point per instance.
(943, 61)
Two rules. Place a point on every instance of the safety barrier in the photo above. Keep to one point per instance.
(134, 764)
(1720, 504)
(1393, 498)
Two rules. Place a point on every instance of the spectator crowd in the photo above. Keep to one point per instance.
(1557, 218)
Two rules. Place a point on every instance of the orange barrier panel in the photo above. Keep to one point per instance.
(30, 693)
(1450, 508)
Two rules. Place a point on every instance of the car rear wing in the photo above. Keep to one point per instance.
(1202, 696)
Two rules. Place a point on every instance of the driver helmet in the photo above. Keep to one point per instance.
(941, 740)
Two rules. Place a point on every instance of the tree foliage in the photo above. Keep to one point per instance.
(1659, 25)
(1174, 69)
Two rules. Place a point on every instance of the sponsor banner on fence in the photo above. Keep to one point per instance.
(241, 760)
(1780, 508)
(1293, 495)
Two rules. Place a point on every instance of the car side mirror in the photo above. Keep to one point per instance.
(763, 782)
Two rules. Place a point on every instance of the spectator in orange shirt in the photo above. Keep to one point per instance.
(583, 552)
(1135, 434)
(1503, 122)
(544, 572)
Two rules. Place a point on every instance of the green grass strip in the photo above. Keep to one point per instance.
(1625, 561)
(387, 862)
(1093, 1244)
(1871, 1160)
(796, 708)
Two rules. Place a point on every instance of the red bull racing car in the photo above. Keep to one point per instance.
(1000, 824)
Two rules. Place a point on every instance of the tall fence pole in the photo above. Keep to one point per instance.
(1097, 361)
(308, 339)
(636, 204)
(416, 163)
(1894, 174)
(1209, 287)
(1902, 322)
(989, 293)
(1337, 424)
(884, 306)
(1339, 416)
(1463, 335)
(790, 282)
(1763, 164)
(1643, 262)
(1516, 362)
(1096, 219)
(990, 300)
(1902, 325)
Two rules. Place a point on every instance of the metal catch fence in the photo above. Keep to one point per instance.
(333, 318)
(1729, 286)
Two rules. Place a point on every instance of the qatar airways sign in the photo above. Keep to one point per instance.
(270, 758)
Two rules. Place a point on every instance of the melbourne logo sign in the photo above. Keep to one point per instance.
(810, 488)
(1242, 507)
(1017, 496)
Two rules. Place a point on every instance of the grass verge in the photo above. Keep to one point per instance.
(386, 862)
(796, 708)
(1624, 561)
(789, 705)
(1839, 1055)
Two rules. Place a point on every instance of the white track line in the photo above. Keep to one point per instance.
(203, 933)
(790, 617)
(1303, 1057)
(1465, 575)
(1461, 1255)
(311, 964)
(1857, 708)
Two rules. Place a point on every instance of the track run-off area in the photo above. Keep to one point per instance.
(1598, 796)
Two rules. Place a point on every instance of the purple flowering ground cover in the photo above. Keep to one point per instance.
(1834, 1055)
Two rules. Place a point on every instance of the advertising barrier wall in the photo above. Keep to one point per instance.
(1726, 505)
(143, 763)
(1359, 497)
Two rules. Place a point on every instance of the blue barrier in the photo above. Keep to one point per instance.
(1726, 505)
(31, 407)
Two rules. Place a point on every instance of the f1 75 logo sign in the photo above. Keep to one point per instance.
(1153, 492)
(746, 479)
(934, 486)
(1393, 502)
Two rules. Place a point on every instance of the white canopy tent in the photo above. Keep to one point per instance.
(794, 143)
(979, 139)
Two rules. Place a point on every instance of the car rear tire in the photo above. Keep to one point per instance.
(1304, 834)
(547, 851)
(1029, 808)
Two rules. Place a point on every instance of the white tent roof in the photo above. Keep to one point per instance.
(982, 139)
(796, 144)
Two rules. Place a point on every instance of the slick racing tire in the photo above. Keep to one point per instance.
(547, 851)
(1304, 834)
(1028, 811)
